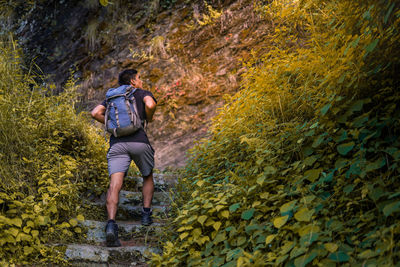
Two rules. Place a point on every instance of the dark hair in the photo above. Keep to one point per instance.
(126, 76)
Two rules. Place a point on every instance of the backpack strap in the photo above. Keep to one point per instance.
(132, 101)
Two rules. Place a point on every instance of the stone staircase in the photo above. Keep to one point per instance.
(138, 242)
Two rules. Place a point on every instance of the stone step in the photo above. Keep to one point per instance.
(135, 198)
(126, 230)
(127, 255)
(125, 212)
(162, 182)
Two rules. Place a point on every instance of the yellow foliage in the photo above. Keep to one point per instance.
(211, 17)
(305, 156)
(49, 156)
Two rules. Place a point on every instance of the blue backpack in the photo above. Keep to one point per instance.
(122, 117)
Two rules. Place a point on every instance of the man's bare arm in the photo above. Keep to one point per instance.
(150, 107)
(98, 113)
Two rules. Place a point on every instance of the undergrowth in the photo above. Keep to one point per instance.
(50, 158)
(302, 165)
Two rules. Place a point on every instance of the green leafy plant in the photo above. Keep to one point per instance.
(50, 158)
(302, 164)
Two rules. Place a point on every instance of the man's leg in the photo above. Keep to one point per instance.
(148, 190)
(112, 205)
(113, 194)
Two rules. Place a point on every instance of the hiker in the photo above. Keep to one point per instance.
(123, 149)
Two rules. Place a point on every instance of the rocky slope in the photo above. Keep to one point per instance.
(189, 54)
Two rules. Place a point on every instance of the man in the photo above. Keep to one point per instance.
(124, 149)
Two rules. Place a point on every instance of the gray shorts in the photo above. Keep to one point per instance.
(121, 154)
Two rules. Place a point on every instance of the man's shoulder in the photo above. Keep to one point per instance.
(143, 91)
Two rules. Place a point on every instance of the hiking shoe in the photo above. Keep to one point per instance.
(112, 234)
(146, 217)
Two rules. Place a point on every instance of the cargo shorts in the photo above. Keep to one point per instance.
(121, 154)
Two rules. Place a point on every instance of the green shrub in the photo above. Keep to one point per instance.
(302, 165)
(49, 157)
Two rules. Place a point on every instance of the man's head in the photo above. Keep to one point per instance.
(130, 77)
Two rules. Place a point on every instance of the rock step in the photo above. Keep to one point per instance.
(125, 212)
(135, 198)
(127, 255)
(162, 182)
(126, 230)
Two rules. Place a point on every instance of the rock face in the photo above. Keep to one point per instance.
(187, 58)
(138, 242)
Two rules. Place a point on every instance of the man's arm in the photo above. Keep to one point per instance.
(98, 113)
(150, 107)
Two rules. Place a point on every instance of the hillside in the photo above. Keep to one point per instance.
(189, 54)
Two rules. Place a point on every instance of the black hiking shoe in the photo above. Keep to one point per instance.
(112, 234)
(146, 217)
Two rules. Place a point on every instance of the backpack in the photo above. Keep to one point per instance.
(121, 117)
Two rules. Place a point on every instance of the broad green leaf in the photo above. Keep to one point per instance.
(281, 259)
(14, 231)
(308, 239)
(287, 247)
(234, 207)
(183, 235)
(297, 251)
(248, 214)
(280, 221)
(318, 141)
(304, 215)
(34, 233)
(241, 240)
(28, 250)
(288, 207)
(233, 254)
(302, 261)
(181, 229)
(339, 256)
(379, 163)
(217, 225)
(311, 228)
(391, 208)
(348, 188)
(270, 170)
(309, 161)
(80, 217)
(196, 233)
(343, 149)
(260, 180)
(219, 207)
(367, 254)
(225, 214)
(16, 222)
(331, 247)
(201, 219)
(312, 175)
(73, 222)
(269, 239)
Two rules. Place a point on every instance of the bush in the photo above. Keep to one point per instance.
(302, 166)
(49, 157)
